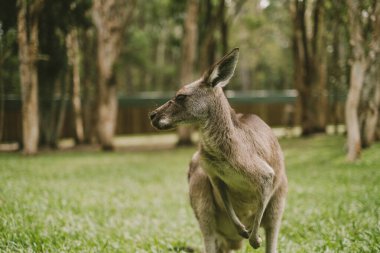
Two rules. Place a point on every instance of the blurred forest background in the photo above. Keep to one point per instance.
(71, 68)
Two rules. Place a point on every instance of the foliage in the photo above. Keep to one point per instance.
(124, 202)
(150, 58)
(263, 34)
(152, 46)
(57, 20)
(151, 53)
(8, 48)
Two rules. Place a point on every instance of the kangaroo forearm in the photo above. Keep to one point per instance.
(227, 204)
(222, 189)
(265, 179)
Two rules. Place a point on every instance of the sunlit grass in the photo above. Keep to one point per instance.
(138, 202)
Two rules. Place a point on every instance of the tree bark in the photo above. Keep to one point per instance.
(377, 130)
(74, 60)
(48, 134)
(361, 59)
(2, 103)
(4, 54)
(310, 66)
(223, 26)
(189, 44)
(89, 89)
(336, 68)
(111, 18)
(358, 70)
(27, 35)
(371, 115)
(207, 29)
(58, 120)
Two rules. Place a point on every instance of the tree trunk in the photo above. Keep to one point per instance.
(74, 60)
(2, 104)
(363, 47)
(27, 26)
(107, 112)
(371, 91)
(377, 129)
(310, 67)
(223, 26)
(48, 133)
(89, 89)
(370, 112)
(358, 70)
(336, 73)
(207, 29)
(110, 18)
(57, 122)
(188, 59)
(371, 116)
(357, 73)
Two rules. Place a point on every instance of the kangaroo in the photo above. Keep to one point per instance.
(237, 179)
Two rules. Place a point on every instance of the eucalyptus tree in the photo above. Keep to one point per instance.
(309, 52)
(364, 29)
(111, 18)
(27, 30)
(60, 27)
(188, 54)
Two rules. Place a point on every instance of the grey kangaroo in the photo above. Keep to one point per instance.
(237, 177)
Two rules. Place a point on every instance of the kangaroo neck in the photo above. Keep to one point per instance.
(217, 132)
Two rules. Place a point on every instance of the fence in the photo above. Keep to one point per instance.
(133, 111)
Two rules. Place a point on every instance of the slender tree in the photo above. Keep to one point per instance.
(208, 24)
(364, 43)
(5, 53)
(88, 49)
(111, 19)
(2, 105)
(369, 113)
(310, 63)
(370, 99)
(57, 28)
(73, 55)
(27, 26)
(189, 43)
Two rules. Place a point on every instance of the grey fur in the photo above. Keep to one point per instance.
(237, 177)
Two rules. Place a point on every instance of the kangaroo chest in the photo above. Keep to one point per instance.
(216, 166)
(243, 195)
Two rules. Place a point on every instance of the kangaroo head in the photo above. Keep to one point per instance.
(192, 103)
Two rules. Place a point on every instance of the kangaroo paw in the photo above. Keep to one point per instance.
(243, 232)
(255, 241)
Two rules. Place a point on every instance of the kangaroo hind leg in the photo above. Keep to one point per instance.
(202, 202)
(272, 221)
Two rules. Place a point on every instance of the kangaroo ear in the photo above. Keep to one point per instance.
(221, 72)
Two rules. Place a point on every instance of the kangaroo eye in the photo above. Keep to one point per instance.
(180, 98)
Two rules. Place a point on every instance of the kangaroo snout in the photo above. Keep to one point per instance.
(154, 119)
(159, 119)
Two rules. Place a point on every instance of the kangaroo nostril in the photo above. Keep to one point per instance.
(152, 115)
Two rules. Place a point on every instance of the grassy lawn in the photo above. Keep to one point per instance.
(137, 201)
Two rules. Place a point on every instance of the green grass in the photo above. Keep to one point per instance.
(137, 201)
